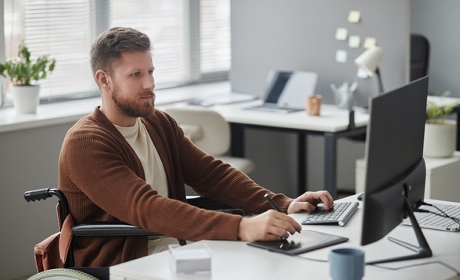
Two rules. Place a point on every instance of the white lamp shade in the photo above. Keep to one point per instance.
(370, 60)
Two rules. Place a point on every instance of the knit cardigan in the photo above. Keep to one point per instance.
(103, 180)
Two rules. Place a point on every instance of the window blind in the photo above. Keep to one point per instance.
(64, 29)
(166, 23)
(215, 35)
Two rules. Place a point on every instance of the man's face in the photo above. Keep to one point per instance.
(133, 84)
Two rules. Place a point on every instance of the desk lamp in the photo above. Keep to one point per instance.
(369, 61)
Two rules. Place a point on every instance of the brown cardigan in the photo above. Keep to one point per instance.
(103, 180)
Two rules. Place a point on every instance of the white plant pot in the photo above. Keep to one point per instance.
(25, 98)
(440, 139)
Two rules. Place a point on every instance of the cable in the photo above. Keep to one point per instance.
(418, 264)
(444, 214)
(310, 259)
(395, 268)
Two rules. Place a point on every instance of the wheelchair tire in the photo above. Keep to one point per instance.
(62, 273)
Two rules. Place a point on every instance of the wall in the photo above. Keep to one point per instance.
(300, 35)
(439, 22)
(29, 160)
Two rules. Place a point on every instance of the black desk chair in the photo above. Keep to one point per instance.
(101, 229)
(419, 56)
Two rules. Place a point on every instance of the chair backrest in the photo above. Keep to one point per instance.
(204, 127)
(419, 56)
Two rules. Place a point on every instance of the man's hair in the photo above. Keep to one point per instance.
(106, 50)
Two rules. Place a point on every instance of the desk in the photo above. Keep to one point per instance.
(237, 260)
(333, 124)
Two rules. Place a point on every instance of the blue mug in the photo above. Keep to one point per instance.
(346, 264)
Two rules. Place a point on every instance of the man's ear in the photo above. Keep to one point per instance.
(103, 79)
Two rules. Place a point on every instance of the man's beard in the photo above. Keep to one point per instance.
(130, 109)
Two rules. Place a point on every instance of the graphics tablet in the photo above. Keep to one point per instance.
(299, 243)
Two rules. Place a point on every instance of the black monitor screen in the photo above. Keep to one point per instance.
(395, 169)
(276, 86)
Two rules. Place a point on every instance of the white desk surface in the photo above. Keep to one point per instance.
(331, 119)
(237, 260)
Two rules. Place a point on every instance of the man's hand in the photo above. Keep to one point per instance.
(309, 200)
(270, 225)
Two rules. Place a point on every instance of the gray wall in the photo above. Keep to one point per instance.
(29, 160)
(300, 35)
(439, 22)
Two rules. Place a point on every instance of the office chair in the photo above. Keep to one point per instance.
(419, 56)
(64, 245)
(210, 132)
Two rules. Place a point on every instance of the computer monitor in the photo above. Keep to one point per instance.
(395, 168)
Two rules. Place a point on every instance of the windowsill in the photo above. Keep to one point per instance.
(72, 111)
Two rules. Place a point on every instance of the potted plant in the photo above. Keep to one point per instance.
(24, 73)
(440, 132)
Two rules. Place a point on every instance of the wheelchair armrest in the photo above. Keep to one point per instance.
(208, 204)
(110, 229)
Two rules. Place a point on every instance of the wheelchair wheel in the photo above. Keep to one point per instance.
(62, 273)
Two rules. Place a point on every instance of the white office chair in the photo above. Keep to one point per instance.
(209, 131)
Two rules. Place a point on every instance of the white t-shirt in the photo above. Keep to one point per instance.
(139, 139)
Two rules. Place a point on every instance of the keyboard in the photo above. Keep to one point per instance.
(433, 221)
(338, 215)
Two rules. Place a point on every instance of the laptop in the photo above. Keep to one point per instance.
(287, 91)
(435, 217)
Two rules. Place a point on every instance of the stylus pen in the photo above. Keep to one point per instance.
(272, 203)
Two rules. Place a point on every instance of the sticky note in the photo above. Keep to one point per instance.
(341, 56)
(362, 74)
(354, 41)
(354, 16)
(341, 34)
(369, 42)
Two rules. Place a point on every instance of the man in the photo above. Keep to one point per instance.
(128, 161)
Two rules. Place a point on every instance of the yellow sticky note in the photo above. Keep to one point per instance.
(354, 16)
(354, 41)
(341, 34)
(369, 42)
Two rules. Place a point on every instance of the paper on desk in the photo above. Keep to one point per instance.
(191, 254)
(190, 259)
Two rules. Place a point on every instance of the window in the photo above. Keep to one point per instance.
(191, 38)
(215, 36)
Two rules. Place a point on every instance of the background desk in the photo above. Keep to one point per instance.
(333, 124)
(236, 260)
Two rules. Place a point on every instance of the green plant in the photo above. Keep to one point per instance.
(23, 71)
(437, 113)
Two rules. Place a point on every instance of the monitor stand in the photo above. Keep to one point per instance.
(422, 251)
